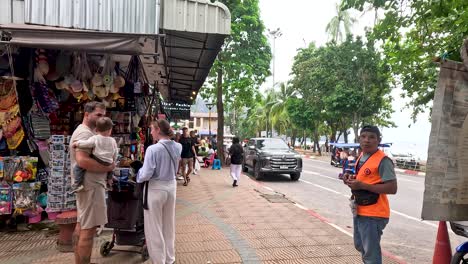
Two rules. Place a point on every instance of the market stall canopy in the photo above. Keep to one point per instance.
(186, 35)
(34, 36)
(194, 32)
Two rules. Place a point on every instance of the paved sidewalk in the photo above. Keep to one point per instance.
(217, 223)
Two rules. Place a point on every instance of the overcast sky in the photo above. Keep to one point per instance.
(304, 21)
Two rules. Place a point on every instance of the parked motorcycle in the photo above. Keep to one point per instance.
(461, 254)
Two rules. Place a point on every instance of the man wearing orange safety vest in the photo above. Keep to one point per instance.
(375, 178)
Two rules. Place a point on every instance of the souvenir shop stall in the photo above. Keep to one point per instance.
(42, 95)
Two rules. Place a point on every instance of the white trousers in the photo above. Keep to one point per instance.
(160, 221)
(236, 171)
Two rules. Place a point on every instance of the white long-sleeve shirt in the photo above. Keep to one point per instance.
(159, 164)
(103, 148)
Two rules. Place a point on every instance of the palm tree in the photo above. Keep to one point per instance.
(279, 115)
(342, 20)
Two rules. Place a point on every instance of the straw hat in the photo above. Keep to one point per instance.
(85, 87)
(119, 82)
(77, 86)
(43, 67)
(101, 91)
(97, 80)
(61, 85)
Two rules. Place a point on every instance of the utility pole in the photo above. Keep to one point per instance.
(210, 106)
(276, 33)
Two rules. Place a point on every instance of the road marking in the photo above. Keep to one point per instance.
(341, 229)
(393, 211)
(321, 161)
(414, 218)
(321, 175)
(301, 206)
(321, 187)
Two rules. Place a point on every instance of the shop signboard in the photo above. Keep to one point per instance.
(177, 111)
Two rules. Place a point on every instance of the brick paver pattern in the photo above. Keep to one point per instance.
(216, 223)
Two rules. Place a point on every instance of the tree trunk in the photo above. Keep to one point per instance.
(338, 137)
(356, 125)
(293, 138)
(316, 141)
(327, 147)
(304, 139)
(346, 134)
(220, 108)
(333, 135)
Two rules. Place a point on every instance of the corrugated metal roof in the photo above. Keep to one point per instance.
(119, 16)
(200, 16)
(11, 11)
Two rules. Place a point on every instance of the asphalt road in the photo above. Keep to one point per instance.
(406, 236)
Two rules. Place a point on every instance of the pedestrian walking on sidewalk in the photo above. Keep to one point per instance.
(375, 178)
(188, 152)
(236, 153)
(91, 201)
(159, 169)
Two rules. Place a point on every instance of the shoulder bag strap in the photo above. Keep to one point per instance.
(145, 195)
(174, 161)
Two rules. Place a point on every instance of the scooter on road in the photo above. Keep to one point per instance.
(461, 252)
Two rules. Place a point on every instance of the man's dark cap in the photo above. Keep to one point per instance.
(371, 129)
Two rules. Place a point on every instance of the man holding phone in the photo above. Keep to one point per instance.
(375, 178)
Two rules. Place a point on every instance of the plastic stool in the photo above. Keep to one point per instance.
(216, 164)
(67, 223)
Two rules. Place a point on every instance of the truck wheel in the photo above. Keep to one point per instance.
(244, 168)
(257, 173)
(295, 176)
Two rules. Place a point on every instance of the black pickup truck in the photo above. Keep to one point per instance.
(271, 156)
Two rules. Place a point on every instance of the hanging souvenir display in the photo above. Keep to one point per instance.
(10, 119)
(60, 84)
(25, 195)
(59, 185)
(40, 124)
(6, 199)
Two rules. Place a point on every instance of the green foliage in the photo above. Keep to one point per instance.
(343, 85)
(245, 56)
(340, 25)
(414, 34)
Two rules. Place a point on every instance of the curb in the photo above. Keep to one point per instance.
(411, 172)
(325, 220)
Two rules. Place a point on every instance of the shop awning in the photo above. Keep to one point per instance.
(194, 32)
(188, 58)
(34, 36)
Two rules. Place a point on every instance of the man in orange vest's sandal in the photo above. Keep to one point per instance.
(375, 178)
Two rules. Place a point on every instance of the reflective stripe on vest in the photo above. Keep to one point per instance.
(369, 173)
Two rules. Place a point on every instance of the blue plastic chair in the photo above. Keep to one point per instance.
(216, 164)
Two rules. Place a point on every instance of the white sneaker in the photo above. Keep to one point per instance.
(180, 178)
(194, 172)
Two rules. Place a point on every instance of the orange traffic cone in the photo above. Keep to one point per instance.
(442, 251)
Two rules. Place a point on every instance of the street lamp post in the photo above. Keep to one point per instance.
(276, 33)
(210, 106)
